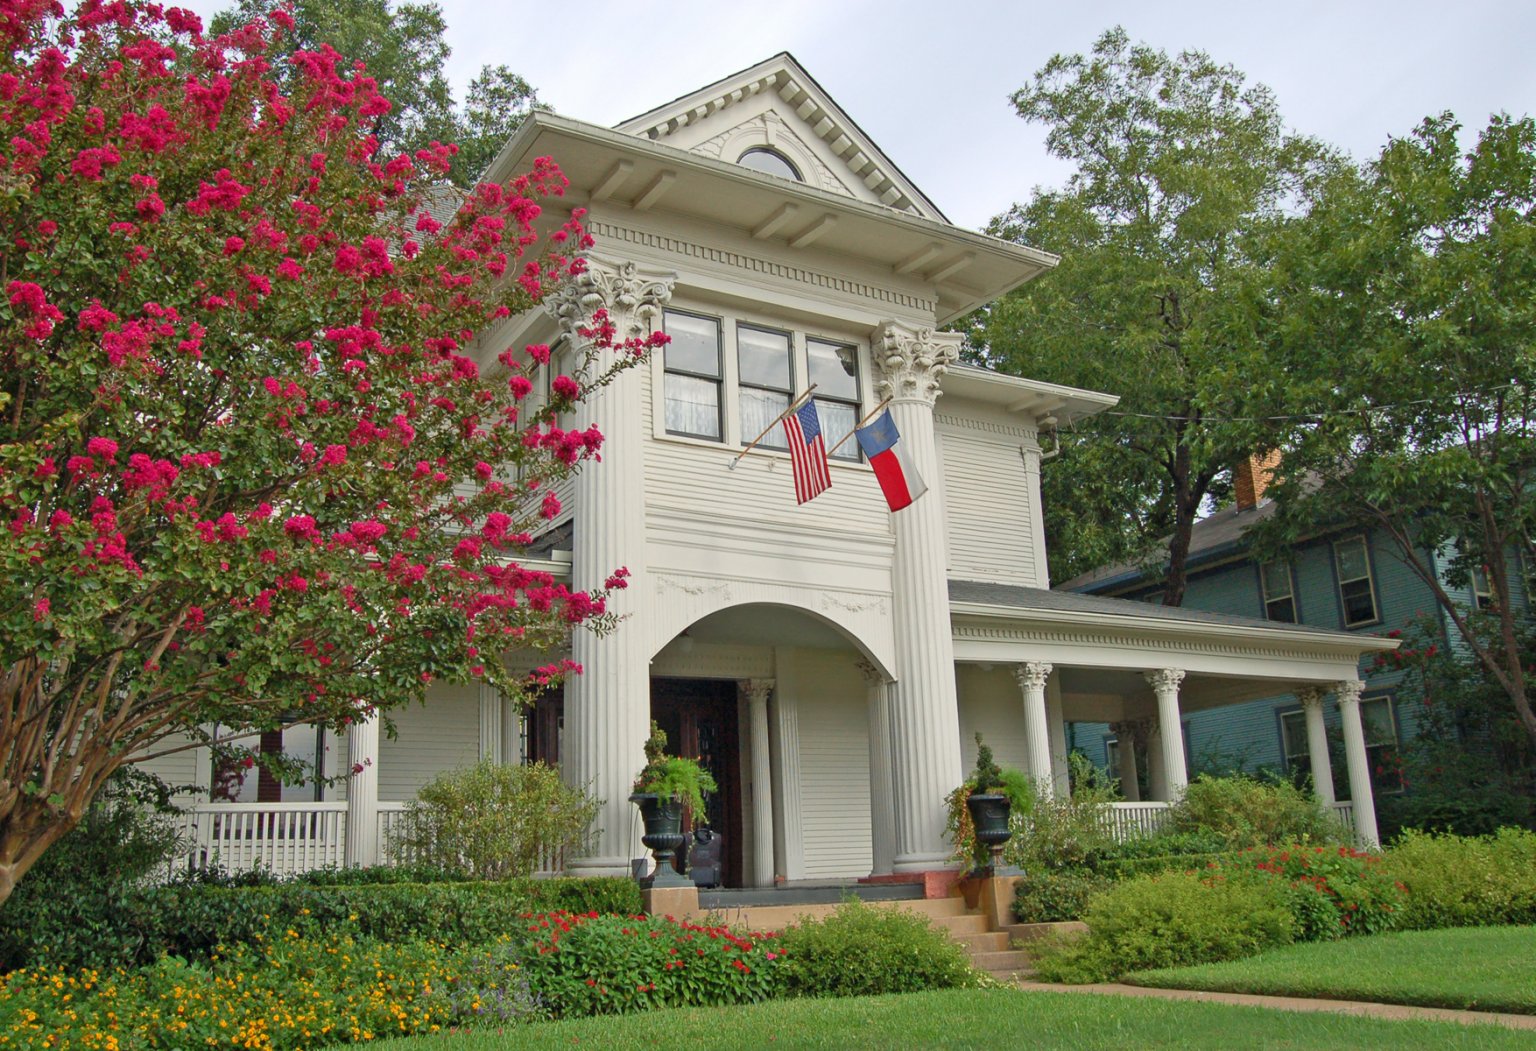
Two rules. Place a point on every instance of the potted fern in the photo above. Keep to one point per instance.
(665, 785)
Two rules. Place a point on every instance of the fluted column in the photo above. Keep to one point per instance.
(362, 836)
(882, 816)
(1056, 727)
(1317, 743)
(1125, 741)
(1032, 678)
(925, 720)
(1165, 684)
(490, 723)
(1157, 776)
(756, 692)
(1358, 760)
(607, 707)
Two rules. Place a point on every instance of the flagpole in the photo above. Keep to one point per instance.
(799, 401)
(869, 416)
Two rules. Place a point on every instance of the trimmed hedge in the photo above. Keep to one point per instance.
(192, 921)
(1466, 881)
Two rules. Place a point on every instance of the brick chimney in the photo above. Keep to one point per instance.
(1252, 476)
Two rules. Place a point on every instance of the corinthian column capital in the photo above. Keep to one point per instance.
(910, 362)
(632, 297)
(1032, 675)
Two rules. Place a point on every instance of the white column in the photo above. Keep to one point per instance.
(490, 723)
(1317, 743)
(512, 716)
(882, 816)
(925, 717)
(1157, 770)
(1165, 684)
(756, 692)
(1056, 727)
(1125, 743)
(362, 846)
(1348, 695)
(607, 707)
(1032, 677)
(784, 760)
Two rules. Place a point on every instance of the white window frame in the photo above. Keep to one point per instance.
(1379, 783)
(722, 360)
(1270, 600)
(1482, 589)
(1369, 578)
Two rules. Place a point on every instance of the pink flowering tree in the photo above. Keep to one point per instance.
(255, 468)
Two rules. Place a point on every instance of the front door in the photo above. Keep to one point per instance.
(699, 717)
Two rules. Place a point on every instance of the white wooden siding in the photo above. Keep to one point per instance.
(990, 523)
(834, 764)
(440, 735)
(991, 703)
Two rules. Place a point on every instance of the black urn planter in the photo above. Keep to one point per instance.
(663, 819)
(989, 816)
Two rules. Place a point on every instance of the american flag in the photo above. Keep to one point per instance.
(807, 452)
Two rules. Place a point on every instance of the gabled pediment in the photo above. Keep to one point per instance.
(776, 105)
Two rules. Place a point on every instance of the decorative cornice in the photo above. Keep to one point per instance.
(965, 423)
(796, 275)
(912, 361)
(1348, 691)
(1033, 634)
(633, 298)
(1165, 680)
(1032, 675)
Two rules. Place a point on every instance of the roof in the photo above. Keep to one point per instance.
(1210, 538)
(1077, 605)
(1046, 401)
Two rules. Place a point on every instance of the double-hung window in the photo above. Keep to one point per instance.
(694, 375)
(765, 382)
(1279, 591)
(1357, 592)
(1293, 745)
(1482, 589)
(834, 370)
(1379, 722)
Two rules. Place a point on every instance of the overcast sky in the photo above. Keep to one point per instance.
(929, 82)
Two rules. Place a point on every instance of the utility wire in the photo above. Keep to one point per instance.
(1308, 415)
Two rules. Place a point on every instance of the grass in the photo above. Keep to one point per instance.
(1478, 968)
(978, 1018)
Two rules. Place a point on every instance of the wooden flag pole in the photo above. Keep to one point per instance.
(869, 416)
(799, 401)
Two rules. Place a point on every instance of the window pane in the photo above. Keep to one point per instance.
(1293, 732)
(837, 419)
(764, 360)
(693, 406)
(695, 345)
(1281, 609)
(771, 161)
(758, 409)
(1376, 718)
(834, 369)
(1277, 580)
(1351, 559)
(1359, 605)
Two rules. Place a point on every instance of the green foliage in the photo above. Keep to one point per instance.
(592, 965)
(986, 776)
(1067, 831)
(860, 950)
(71, 909)
(1171, 920)
(1332, 891)
(673, 777)
(1455, 881)
(1247, 812)
(1052, 895)
(1182, 174)
(495, 820)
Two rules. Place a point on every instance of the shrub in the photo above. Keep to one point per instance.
(494, 820)
(1247, 812)
(1051, 895)
(589, 965)
(70, 908)
(1456, 881)
(860, 950)
(1333, 891)
(1172, 920)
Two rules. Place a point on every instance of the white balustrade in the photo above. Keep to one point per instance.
(282, 838)
(1345, 814)
(1125, 821)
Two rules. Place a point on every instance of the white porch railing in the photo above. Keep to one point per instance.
(1126, 821)
(1345, 813)
(282, 838)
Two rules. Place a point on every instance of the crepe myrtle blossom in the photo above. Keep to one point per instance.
(250, 473)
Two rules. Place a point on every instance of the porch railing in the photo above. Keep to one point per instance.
(1132, 820)
(282, 838)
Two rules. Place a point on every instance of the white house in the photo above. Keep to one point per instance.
(832, 661)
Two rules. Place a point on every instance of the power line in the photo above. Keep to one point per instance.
(1331, 413)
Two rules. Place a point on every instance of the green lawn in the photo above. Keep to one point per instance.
(983, 1019)
(1482, 968)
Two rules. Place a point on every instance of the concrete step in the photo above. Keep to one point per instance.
(1028, 932)
(1007, 960)
(776, 917)
(1012, 974)
(989, 941)
(959, 926)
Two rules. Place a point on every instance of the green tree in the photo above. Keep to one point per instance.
(1410, 305)
(249, 475)
(403, 47)
(1184, 177)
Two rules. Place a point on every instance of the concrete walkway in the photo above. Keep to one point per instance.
(1295, 1003)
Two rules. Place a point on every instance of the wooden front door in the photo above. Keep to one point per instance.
(699, 717)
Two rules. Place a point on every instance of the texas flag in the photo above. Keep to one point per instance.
(898, 477)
